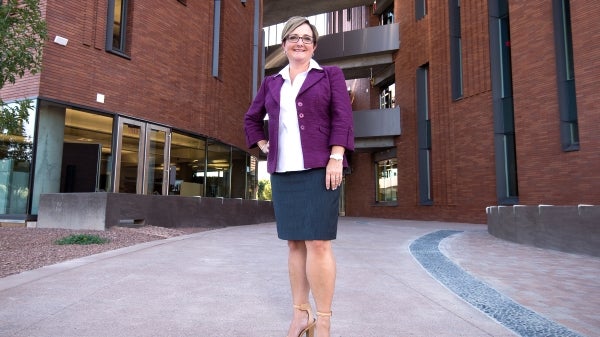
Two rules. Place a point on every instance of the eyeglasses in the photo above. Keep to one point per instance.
(305, 39)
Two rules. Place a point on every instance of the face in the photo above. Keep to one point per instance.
(299, 51)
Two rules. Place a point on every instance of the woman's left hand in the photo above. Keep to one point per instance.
(333, 174)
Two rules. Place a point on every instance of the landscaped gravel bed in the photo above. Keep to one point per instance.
(24, 249)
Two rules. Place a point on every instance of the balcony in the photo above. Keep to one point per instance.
(376, 129)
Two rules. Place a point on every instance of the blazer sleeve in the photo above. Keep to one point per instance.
(254, 118)
(342, 124)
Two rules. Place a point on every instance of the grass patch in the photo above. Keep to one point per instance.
(81, 239)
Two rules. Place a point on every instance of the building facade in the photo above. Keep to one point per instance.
(458, 105)
(497, 108)
(141, 97)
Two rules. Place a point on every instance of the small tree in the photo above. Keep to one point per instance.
(22, 36)
(264, 190)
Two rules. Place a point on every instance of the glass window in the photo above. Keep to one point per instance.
(504, 130)
(510, 160)
(187, 165)
(420, 9)
(387, 180)
(216, 38)
(505, 63)
(567, 96)
(239, 169)
(79, 145)
(155, 160)
(16, 148)
(424, 136)
(132, 138)
(116, 28)
(252, 178)
(456, 50)
(86, 135)
(387, 17)
(387, 98)
(218, 174)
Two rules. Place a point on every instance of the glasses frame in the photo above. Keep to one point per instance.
(304, 38)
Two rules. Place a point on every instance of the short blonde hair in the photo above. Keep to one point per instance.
(295, 22)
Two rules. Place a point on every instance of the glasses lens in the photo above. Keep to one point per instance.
(295, 38)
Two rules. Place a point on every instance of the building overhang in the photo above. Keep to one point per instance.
(373, 144)
(277, 11)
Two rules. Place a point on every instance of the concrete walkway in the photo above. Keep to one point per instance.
(395, 278)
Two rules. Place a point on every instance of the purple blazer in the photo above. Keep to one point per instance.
(324, 116)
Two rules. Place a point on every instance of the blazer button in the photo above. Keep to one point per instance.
(300, 104)
(301, 115)
(301, 127)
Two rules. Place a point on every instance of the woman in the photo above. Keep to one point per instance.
(310, 128)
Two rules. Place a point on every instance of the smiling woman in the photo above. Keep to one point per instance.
(309, 135)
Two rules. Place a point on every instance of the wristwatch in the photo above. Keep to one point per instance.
(337, 157)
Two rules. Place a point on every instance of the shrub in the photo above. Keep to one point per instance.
(81, 239)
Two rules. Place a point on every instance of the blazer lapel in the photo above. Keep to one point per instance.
(314, 76)
(275, 88)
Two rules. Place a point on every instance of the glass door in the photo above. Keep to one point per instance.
(156, 168)
(142, 158)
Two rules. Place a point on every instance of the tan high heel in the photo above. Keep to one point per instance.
(310, 329)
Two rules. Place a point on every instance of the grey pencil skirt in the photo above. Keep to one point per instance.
(304, 209)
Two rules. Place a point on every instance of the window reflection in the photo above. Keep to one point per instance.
(387, 98)
(16, 144)
(387, 180)
(188, 161)
(80, 144)
(87, 152)
(218, 170)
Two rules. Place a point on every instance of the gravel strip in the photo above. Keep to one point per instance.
(24, 249)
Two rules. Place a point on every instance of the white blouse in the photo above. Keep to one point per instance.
(289, 152)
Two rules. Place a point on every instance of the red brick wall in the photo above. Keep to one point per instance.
(548, 175)
(167, 79)
(464, 178)
(462, 143)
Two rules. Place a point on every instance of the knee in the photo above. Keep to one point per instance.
(319, 247)
(296, 245)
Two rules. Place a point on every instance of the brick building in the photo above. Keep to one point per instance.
(149, 104)
(484, 112)
(458, 105)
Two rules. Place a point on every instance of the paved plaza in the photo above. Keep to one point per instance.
(395, 278)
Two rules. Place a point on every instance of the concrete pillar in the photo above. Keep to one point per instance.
(48, 153)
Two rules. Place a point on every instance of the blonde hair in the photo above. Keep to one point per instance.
(295, 22)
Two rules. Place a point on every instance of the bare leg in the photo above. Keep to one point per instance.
(321, 271)
(299, 285)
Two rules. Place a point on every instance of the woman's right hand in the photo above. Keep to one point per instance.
(264, 146)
